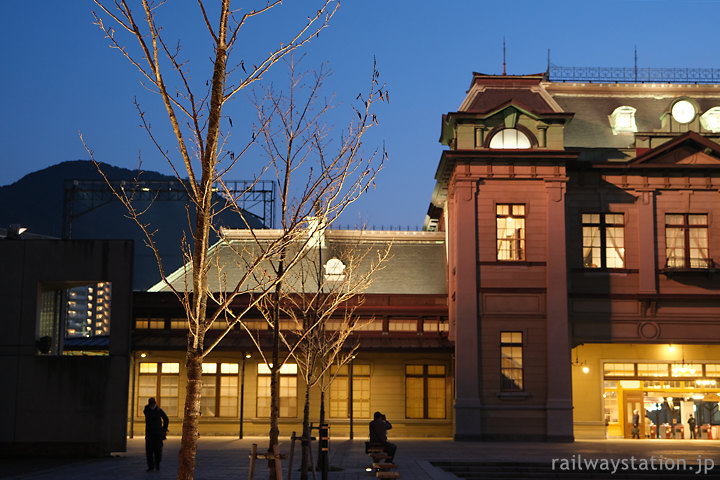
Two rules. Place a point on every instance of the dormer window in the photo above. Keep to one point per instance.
(683, 111)
(334, 270)
(622, 120)
(710, 120)
(510, 138)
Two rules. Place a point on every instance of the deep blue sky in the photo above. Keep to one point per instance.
(60, 78)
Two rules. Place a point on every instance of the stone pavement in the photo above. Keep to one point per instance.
(225, 458)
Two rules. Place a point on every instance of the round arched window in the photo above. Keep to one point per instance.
(510, 138)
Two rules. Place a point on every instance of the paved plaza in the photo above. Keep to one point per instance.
(225, 458)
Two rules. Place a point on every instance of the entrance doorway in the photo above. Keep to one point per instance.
(633, 401)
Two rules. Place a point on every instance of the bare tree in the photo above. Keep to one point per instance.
(194, 112)
(320, 300)
(318, 178)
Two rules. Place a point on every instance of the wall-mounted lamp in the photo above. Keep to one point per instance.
(143, 355)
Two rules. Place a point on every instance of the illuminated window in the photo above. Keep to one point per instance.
(340, 392)
(510, 231)
(652, 369)
(510, 138)
(178, 323)
(425, 391)
(288, 390)
(400, 324)
(622, 121)
(686, 241)
(619, 369)
(511, 361)
(334, 270)
(369, 325)
(603, 240)
(159, 380)
(149, 323)
(220, 390)
(710, 120)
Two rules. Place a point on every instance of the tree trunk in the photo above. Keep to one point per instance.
(305, 436)
(322, 462)
(188, 444)
(275, 371)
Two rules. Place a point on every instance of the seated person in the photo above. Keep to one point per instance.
(378, 435)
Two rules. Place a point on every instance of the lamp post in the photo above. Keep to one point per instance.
(350, 394)
(242, 393)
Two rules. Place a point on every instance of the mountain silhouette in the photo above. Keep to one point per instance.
(36, 202)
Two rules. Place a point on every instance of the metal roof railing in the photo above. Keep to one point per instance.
(558, 73)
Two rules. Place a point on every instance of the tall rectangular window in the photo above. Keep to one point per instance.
(603, 240)
(220, 390)
(510, 220)
(340, 392)
(425, 391)
(288, 390)
(511, 361)
(686, 240)
(159, 380)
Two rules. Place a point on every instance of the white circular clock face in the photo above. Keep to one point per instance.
(683, 111)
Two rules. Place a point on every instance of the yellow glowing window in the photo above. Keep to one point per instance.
(603, 240)
(619, 369)
(161, 382)
(511, 361)
(170, 368)
(340, 392)
(396, 324)
(178, 323)
(686, 241)
(209, 368)
(510, 221)
(219, 391)
(148, 367)
(425, 395)
(288, 390)
(652, 369)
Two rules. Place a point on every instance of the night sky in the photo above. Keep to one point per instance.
(60, 78)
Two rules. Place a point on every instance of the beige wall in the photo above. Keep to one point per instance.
(387, 394)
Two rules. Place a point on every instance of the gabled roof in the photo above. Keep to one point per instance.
(690, 148)
(487, 92)
(416, 264)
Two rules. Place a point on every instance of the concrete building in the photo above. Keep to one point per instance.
(88, 310)
(62, 395)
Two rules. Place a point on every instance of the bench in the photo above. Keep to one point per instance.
(384, 466)
(371, 447)
(387, 475)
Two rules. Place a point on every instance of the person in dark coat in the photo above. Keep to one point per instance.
(636, 424)
(156, 426)
(378, 435)
(691, 426)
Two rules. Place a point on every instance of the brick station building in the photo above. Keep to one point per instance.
(566, 277)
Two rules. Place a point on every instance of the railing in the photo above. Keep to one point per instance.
(633, 75)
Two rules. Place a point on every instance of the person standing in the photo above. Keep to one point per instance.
(156, 426)
(636, 424)
(691, 426)
(378, 435)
